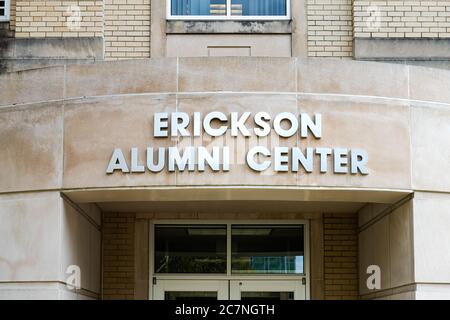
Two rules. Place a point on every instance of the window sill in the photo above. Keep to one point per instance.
(235, 26)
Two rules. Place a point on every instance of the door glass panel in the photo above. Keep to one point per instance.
(198, 7)
(256, 295)
(189, 295)
(267, 249)
(258, 7)
(190, 249)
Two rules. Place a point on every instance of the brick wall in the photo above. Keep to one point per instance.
(340, 256)
(12, 15)
(127, 29)
(52, 18)
(330, 30)
(118, 256)
(402, 19)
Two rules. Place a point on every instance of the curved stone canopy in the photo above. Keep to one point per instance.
(59, 126)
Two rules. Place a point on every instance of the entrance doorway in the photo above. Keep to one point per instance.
(229, 260)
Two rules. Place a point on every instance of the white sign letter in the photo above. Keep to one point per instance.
(117, 162)
(160, 122)
(280, 118)
(251, 158)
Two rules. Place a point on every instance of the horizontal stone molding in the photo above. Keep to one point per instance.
(226, 74)
(243, 27)
(422, 49)
(52, 48)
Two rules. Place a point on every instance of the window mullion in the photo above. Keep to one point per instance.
(228, 8)
(229, 249)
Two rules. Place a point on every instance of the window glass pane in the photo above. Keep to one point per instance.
(199, 7)
(258, 8)
(267, 249)
(190, 249)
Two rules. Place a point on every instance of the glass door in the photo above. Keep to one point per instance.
(267, 290)
(239, 290)
(190, 290)
(227, 260)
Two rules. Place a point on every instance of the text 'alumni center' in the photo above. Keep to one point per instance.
(224, 149)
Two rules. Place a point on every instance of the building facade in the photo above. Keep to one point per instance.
(225, 149)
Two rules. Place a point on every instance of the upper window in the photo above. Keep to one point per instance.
(250, 249)
(228, 9)
(4, 10)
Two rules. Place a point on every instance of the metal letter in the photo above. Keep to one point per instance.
(239, 124)
(212, 160)
(264, 127)
(285, 116)
(135, 166)
(251, 158)
(176, 160)
(226, 158)
(340, 160)
(306, 162)
(207, 124)
(160, 122)
(197, 124)
(314, 127)
(117, 162)
(161, 160)
(359, 159)
(324, 153)
(179, 126)
(281, 158)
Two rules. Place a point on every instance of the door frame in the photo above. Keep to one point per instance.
(266, 286)
(229, 275)
(219, 286)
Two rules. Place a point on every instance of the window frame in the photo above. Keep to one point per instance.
(228, 17)
(6, 16)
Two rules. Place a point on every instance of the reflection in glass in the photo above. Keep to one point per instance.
(267, 295)
(258, 7)
(190, 295)
(190, 249)
(267, 249)
(199, 8)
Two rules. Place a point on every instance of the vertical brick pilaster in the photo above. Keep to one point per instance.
(330, 28)
(118, 255)
(340, 256)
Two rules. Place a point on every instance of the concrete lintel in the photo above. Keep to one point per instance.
(52, 48)
(389, 49)
(213, 193)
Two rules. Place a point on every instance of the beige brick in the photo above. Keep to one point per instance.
(340, 256)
